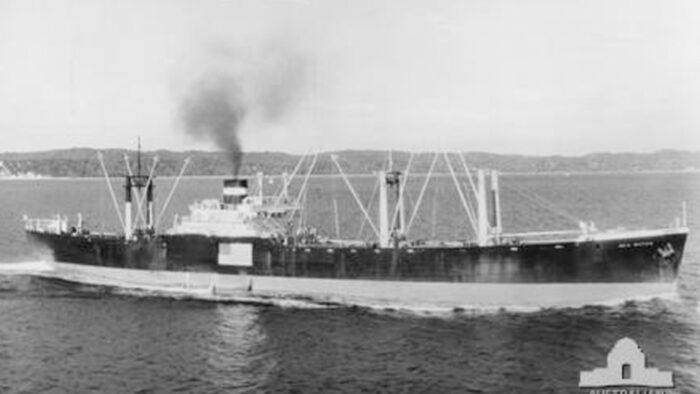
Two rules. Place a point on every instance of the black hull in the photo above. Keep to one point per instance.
(650, 258)
(103, 250)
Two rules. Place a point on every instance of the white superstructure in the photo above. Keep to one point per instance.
(236, 215)
(211, 217)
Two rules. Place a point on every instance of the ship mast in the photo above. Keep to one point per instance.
(383, 210)
(135, 183)
(138, 156)
(497, 228)
(396, 226)
(482, 218)
(128, 227)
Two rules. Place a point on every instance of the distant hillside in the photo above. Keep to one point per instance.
(82, 162)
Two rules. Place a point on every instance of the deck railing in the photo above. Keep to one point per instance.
(55, 226)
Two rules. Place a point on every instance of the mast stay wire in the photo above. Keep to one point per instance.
(544, 203)
(286, 184)
(419, 220)
(458, 186)
(468, 173)
(354, 195)
(304, 185)
(100, 157)
(172, 191)
(474, 195)
(422, 192)
(369, 208)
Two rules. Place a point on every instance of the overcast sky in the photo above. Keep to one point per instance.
(530, 77)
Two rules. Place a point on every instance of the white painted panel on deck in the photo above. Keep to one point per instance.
(236, 253)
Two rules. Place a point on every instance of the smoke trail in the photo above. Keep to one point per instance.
(213, 109)
(263, 85)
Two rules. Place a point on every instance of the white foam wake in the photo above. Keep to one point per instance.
(25, 268)
(121, 286)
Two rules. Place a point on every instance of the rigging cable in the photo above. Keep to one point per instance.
(546, 204)
(470, 214)
(422, 192)
(370, 205)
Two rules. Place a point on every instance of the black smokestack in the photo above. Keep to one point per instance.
(213, 109)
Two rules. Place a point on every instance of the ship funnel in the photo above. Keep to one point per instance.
(235, 190)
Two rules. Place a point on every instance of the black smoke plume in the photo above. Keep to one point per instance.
(264, 85)
(213, 109)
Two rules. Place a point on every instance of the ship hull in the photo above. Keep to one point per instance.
(599, 270)
(105, 250)
(371, 293)
(649, 256)
(645, 256)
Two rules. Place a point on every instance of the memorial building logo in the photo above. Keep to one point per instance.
(626, 373)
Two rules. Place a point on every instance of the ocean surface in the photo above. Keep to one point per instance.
(62, 338)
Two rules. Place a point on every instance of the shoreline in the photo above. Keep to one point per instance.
(440, 174)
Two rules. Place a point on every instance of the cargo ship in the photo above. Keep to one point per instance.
(245, 244)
